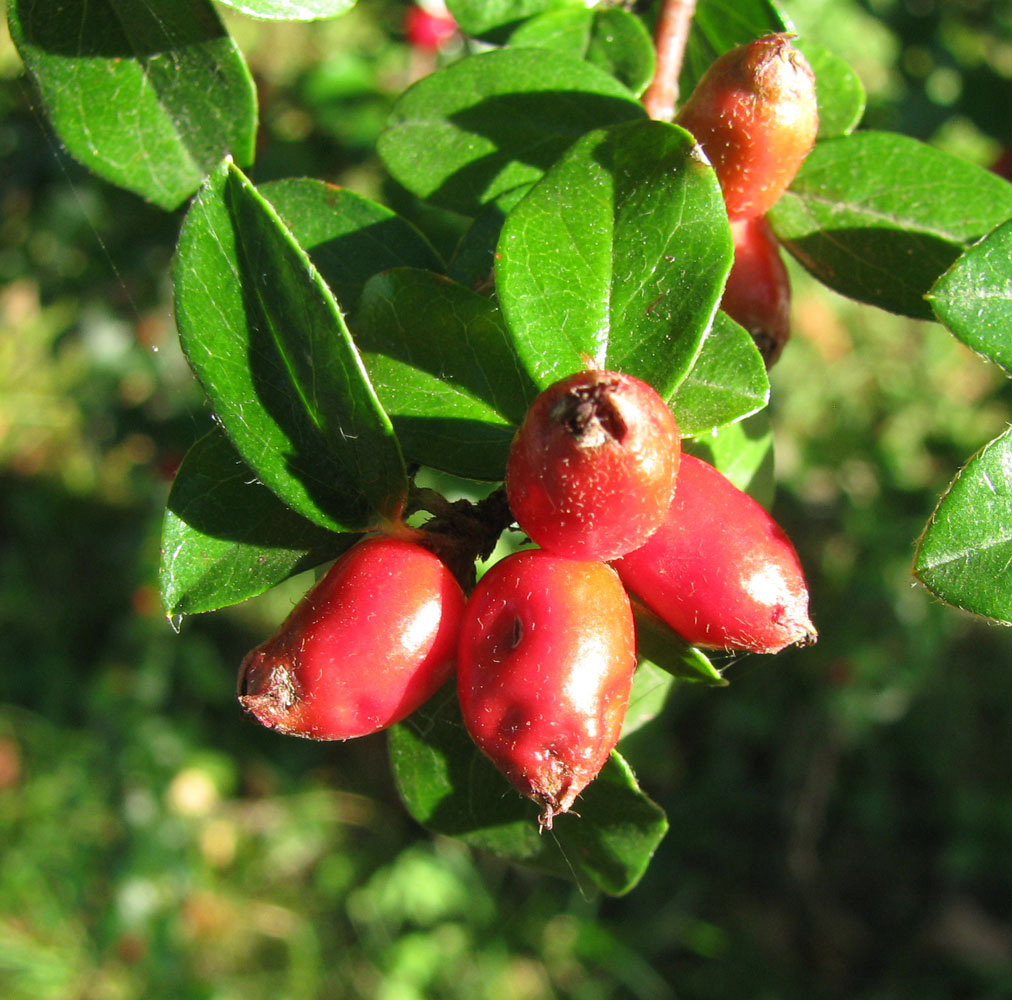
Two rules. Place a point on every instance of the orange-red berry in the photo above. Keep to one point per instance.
(755, 114)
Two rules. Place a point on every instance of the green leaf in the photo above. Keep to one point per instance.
(651, 688)
(494, 122)
(727, 382)
(879, 217)
(291, 10)
(665, 650)
(743, 451)
(974, 297)
(964, 555)
(487, 17)
(267, 341)
(149, 94)
(839, 90)
(719, 25)
(608, 37)
(618, 255)
(348, 237)
(226, 537)
(445, 369)
(450, 787)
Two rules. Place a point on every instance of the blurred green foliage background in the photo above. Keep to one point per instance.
(841, 817)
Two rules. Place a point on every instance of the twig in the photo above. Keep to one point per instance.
(670, 35)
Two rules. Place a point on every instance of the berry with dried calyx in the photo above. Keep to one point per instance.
(592, 468)
(373, 640)
(545, 665)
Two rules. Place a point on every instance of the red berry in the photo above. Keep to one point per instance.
(426, 30)
(592, 468)
(755, 114)
(546, 660)
(720, 571)
(373, 640)
(758, 291)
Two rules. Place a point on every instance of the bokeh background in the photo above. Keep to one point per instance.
(841, 817)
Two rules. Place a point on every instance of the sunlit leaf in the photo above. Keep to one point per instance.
(149, 94)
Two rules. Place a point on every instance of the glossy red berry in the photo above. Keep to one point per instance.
(545, 664)
(758, 290)
(720, 571)
(592, 468)
(373, 640)
(428, 30)
(755, 114)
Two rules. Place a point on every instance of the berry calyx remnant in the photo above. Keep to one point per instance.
(374, 639)
(592, 468)
(755, 114)
(720, 571)
(758, 290)
(545, 665)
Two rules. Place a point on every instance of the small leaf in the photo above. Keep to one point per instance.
(487, 17)
(450, 787)
(839, 90)
(727, 382)
(226, 537)
(719, 25)
(965, 553)
(347, 236)
(619, 254)
(651, 688)
(660, 646)
(261, 330)
(494, 122)
(974, 297)
(444, 367)
(879, 217)
(743, 451)
(149, 94)
(291, 10)
(608, 37)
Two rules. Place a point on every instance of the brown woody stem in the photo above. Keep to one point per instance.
(671, 32)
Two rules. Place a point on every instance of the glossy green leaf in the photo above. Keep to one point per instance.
(445, 369)
(347, 236)
(149, 94)
(743, 451)
(450, 787)
(267, 341)
(487, 17)
(974, 297)
(226, 537)
(879, 217)
(651, 688)
(838, 90)
(618, 255)
(727, 382)
(291, 10)
(719, 25)
(964, 555)
(658, 645)
(495, 122)
(608, 37)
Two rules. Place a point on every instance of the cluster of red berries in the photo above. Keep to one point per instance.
(755, 114)
(544, 647)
